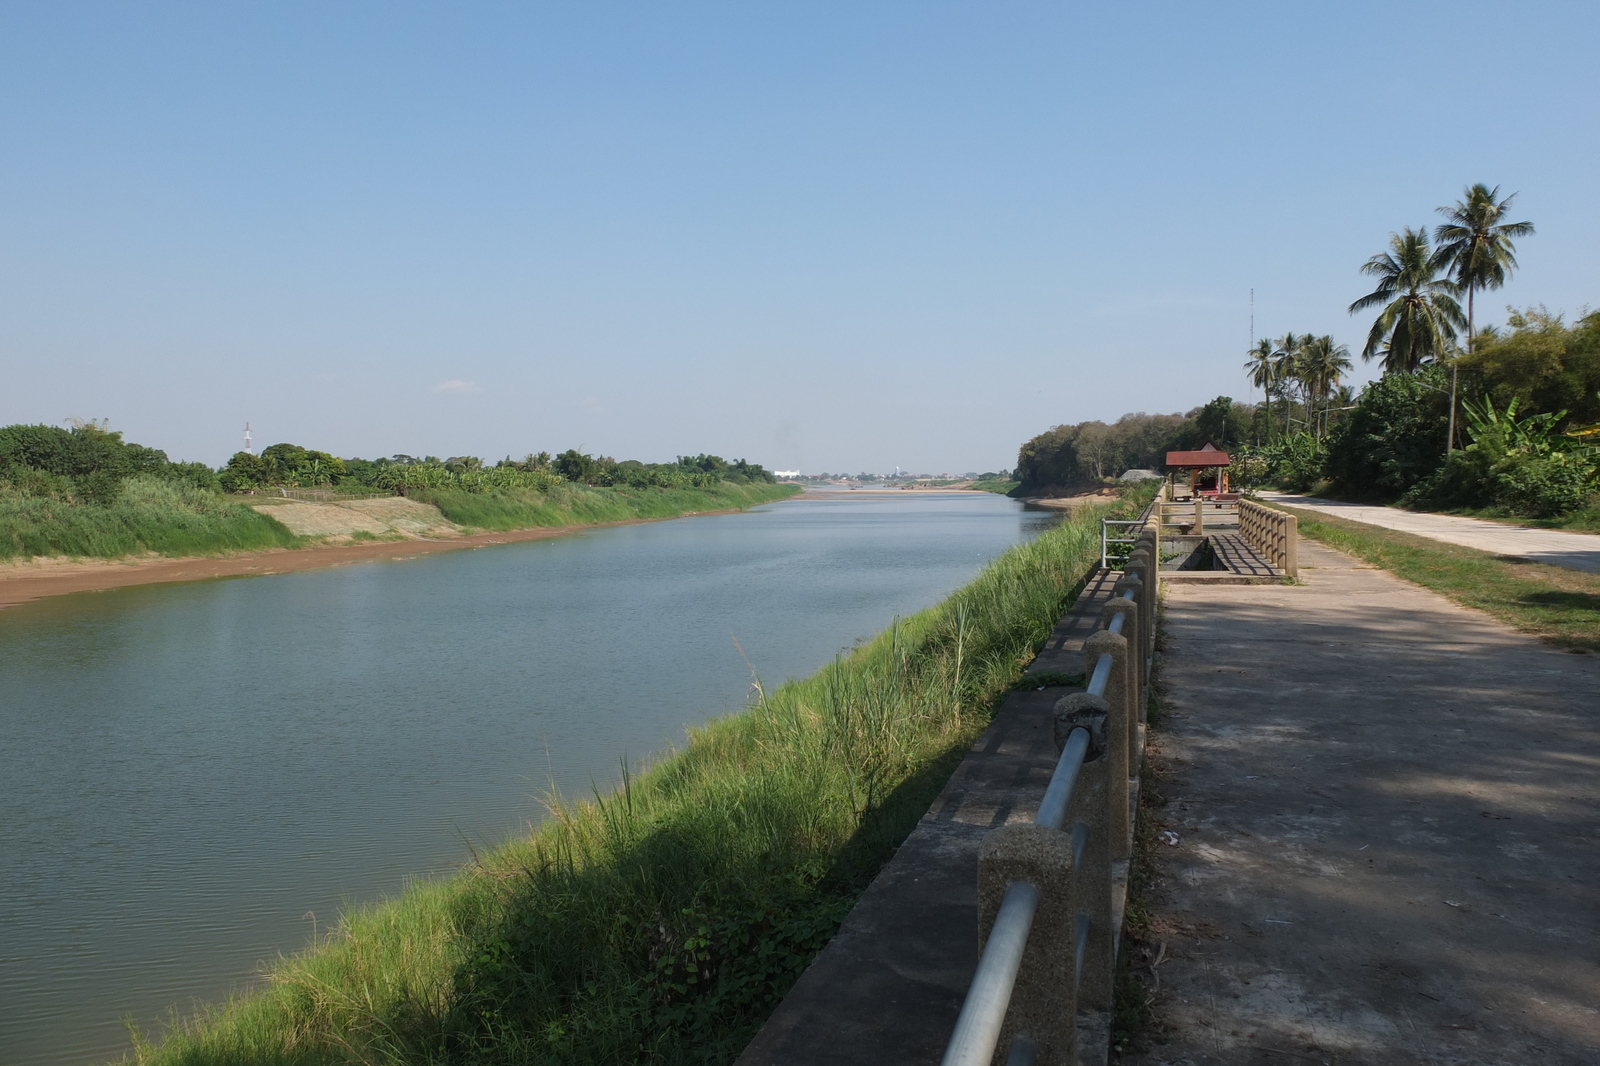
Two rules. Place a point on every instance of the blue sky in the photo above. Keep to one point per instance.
(819, 235)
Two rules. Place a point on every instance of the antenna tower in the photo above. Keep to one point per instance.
(249, 445)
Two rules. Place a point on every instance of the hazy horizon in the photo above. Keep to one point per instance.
(819, 237)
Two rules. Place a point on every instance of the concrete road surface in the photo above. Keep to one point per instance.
(1575, 551)
(1385, 812)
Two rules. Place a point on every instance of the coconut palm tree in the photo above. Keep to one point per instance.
(1286, 353)
(1475, 244)
(1323, 365)
(1420, 315)
(1258, 368)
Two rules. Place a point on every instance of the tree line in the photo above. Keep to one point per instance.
(91, 464)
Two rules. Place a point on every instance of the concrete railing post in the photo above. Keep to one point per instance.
(1117, 734)
(1133, 631)
(1199, 516)
(1091, 808)
(1150, 574)
(1044, 1001)
(1291, 547)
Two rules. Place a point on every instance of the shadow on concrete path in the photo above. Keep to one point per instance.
(1386, 812)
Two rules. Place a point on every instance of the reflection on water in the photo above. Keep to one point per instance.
(195, 774)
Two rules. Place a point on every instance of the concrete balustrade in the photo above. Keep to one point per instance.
(1051, 894)
(1274, 535)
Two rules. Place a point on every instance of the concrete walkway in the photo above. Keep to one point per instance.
(1575, 551)
(1387, 819)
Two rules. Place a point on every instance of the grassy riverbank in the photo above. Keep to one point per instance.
(580, 505)
(1560, 605)
(174, 519)
(662, 923)
(166, 517)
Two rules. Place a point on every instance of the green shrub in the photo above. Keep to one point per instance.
(1541, 487)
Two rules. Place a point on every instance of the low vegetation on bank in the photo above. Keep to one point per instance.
(84, 492)
(1560, 605)
(578, 505)
(662, 923)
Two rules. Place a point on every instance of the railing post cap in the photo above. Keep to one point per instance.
(1081, 710)
(1103, 642)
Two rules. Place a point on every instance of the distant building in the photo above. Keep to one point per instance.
(786, 473)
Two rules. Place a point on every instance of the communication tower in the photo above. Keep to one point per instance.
(249, 446)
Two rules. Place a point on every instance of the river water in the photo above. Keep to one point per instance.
(196, 777)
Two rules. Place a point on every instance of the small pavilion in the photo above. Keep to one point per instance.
(1207, 471)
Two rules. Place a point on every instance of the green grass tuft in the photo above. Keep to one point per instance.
(663, 923)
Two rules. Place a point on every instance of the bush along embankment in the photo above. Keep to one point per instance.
(577, 505)
(86, 492)
(662, 923)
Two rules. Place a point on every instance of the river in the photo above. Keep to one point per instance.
(197, 777)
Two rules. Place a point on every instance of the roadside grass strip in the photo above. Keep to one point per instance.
(1560, 605)
(663, 922)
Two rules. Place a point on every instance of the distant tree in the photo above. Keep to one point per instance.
(1261, 368)
(1551, 366)
(1286, 351)
(576, 466)
(245, 472)
(1419, 315)
(1323, 365)
(1475, 243)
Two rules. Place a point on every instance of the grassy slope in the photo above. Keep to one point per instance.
(661, 924)
(178, 520)
(1561, 605)
(150, 516)
(579, 505)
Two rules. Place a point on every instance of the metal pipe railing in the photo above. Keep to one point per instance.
(978, 1027)
(983, 1015)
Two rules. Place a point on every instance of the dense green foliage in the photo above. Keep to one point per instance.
(290, 465)
(1395, 437)
(661, 924)
(87, 463)
(1540, 360)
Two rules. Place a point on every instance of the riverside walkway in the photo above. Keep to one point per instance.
(1575, 551)
(1384, 819)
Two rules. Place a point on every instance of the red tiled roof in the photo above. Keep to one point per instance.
(1208, 457)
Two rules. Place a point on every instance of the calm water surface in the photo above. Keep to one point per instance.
(191, 776)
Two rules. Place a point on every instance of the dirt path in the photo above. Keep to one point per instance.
(1557, 547)
(21, 582)
(1385, 809)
